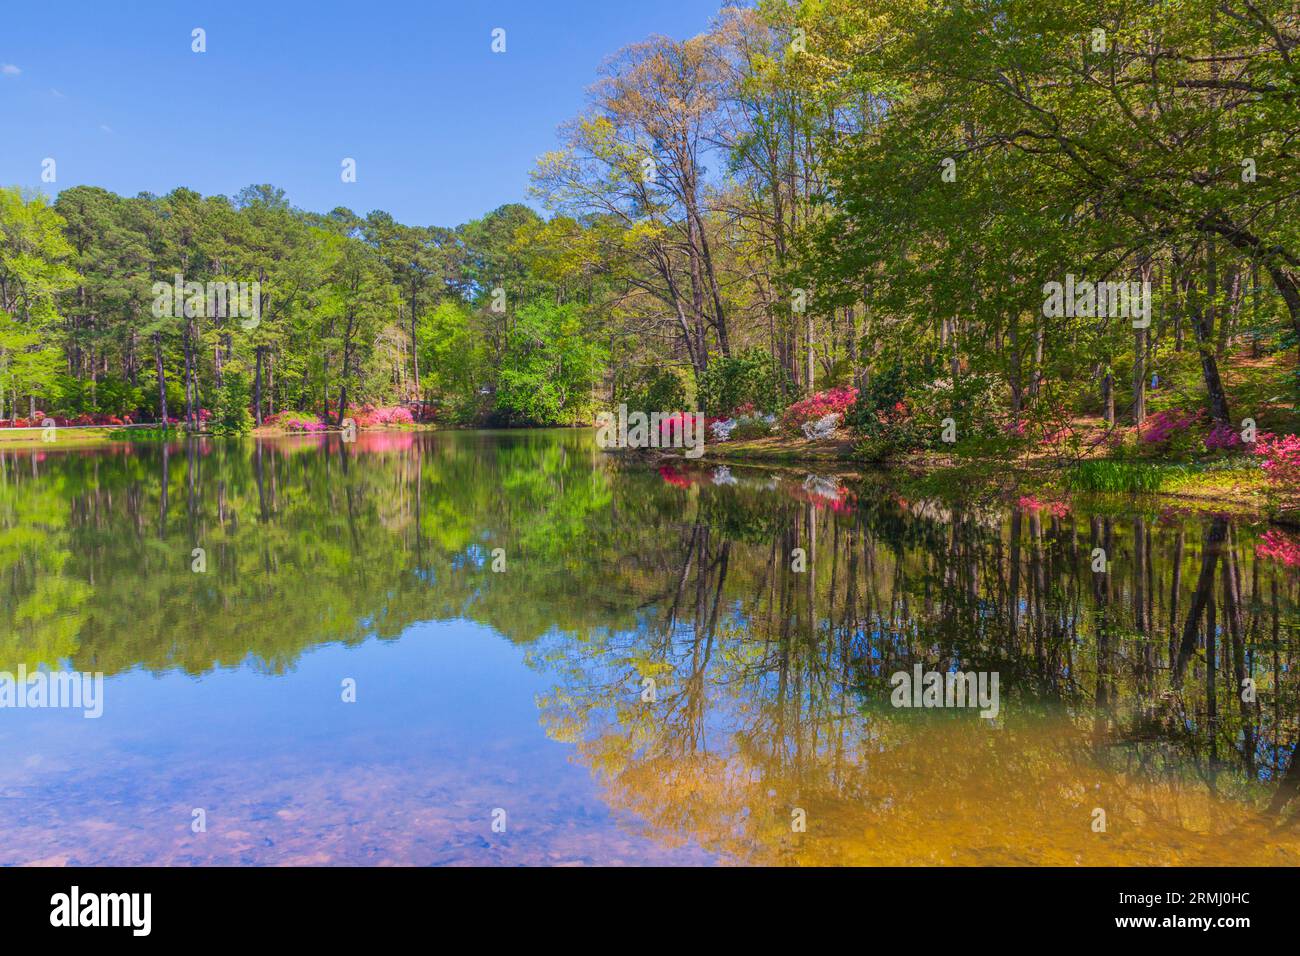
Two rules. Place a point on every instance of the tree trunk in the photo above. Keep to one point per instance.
(1139, 376)
(415, 350)
(162, 379)
(1203, 325)
(257, 387)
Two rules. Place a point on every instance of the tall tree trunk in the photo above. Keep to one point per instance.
(1139, 376)
(1203, 324)
(257, 387)
(808, 317)
(415, 349)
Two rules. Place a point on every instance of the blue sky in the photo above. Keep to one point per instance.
(442, 129)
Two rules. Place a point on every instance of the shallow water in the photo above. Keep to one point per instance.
(519, 696)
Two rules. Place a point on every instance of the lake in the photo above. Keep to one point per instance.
(510, 648)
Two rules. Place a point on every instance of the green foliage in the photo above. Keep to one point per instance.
(110, 395)
(454, 362)
(33, 271)
(750, 378)
(650, 388)
(883, 390)
(231, 416)
(1110, 475)
(752, 426)
(549, 371)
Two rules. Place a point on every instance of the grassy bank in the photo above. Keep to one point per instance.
(782, 448)
(88, 435)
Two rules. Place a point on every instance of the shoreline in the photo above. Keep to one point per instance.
(1237, 490)
(91, 435)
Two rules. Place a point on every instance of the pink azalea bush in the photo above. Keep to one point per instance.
(1168, 426)
(1277, 546)
(1225, 438)
(38, 420)
(1280, 462)
(834, 401)
(670, 426)
(294, 421)
(370, 417)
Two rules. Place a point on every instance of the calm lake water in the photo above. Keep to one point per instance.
(526, 689)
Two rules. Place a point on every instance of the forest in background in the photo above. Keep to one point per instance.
(821, 205)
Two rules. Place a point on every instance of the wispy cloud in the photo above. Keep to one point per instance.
(105, 127)
(9, 70)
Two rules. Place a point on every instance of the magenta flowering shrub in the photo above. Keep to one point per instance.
(1277, 546)
(832, 401)
(1169, 426)
(1280, 462)
(296, 421)
(40, 417)
(368, 416)
(678, 426)
(393, 415)
(1225, 438)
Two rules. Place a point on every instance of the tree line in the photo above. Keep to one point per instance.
(809, 195)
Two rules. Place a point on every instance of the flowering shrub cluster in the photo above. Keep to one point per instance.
(833, 401)
(1277, 546)
(370, 417)
(671, 426)
(742, 426)
(1225, 438)
(367, 416)
(62, 421)
(1168, 425)
(296, 421)
(1280, 461)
